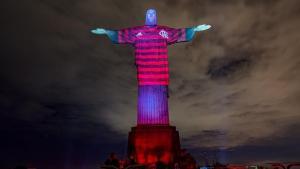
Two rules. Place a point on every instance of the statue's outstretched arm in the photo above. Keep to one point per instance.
(201, 27)
(99, 31)
(116, 36)
(185, 34)
(112, 34)
(190, 32)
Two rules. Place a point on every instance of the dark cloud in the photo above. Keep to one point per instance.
(226, 68)
(65, 91)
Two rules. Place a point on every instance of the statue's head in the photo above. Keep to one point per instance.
(151, 19)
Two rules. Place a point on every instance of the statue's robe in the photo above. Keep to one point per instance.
(151, 59)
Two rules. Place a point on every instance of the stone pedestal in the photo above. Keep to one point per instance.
(152, 143)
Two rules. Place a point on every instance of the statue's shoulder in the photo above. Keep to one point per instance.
(167, 28)
(137, 27)
(162, 26)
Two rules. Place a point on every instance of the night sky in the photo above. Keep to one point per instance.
(68, 98)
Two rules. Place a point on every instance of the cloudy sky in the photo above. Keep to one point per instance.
(68, 98)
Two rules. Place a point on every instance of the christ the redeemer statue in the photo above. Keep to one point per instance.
(150, 42)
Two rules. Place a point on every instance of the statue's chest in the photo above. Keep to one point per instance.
(157, 34)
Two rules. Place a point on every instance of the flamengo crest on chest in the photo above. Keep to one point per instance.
(164, 34)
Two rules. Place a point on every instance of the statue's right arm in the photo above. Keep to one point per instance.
(112, 34)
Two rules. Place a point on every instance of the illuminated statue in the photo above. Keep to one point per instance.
(150, 42)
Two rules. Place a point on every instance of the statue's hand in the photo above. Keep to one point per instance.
(99, 31)
(202, 27)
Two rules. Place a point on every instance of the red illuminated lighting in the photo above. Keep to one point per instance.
(154, 143)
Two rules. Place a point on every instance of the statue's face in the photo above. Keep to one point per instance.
(151, 17)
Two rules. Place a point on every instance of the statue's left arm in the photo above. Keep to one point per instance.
(185, 34)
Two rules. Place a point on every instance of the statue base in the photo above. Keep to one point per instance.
(154, 143)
